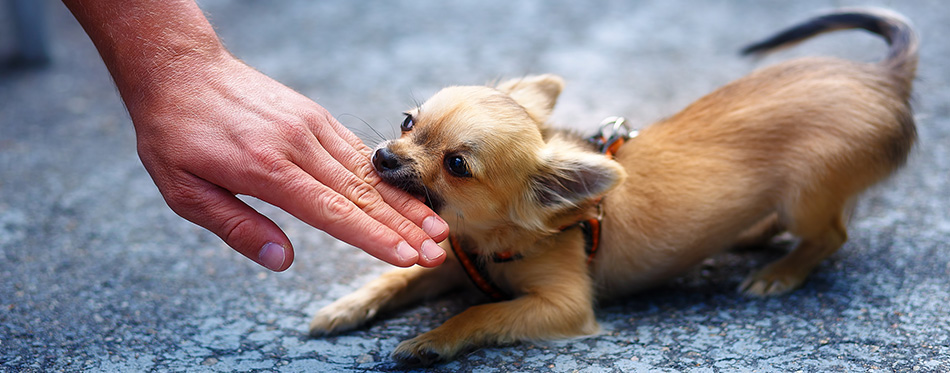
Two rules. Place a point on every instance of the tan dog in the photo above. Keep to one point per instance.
(786, 148)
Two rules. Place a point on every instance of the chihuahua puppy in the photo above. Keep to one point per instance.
(786, 148)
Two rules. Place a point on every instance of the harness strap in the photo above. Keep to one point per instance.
(476, 272)
(591, 229)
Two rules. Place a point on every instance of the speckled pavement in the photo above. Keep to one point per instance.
(98, 274)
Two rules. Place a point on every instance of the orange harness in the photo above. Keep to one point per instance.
(475, 268)
(613, 133)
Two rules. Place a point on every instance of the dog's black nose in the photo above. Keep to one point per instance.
(385, 160)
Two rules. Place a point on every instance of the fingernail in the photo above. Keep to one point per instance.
(272, 256)
(406, 252)
(431, 250)
(434, 226)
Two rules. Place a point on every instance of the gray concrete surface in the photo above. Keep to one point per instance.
(98, 274)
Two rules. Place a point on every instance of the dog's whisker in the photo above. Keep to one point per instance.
(363, 135)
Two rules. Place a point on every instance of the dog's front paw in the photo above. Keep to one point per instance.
(424, 350)
(347, 313)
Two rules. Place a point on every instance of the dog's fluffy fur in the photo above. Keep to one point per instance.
(785, 148)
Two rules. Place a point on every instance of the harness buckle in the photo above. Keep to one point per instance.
(611, 130)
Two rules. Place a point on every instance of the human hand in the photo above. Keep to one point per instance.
(209, 130)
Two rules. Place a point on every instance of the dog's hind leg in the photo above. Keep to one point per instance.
(760, 234)
(822, 232)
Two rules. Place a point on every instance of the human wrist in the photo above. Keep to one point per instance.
(175, 75)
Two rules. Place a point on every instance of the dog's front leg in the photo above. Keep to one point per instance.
(534, 316)
(392, 290)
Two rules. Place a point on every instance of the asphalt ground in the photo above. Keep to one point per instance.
(98, 274)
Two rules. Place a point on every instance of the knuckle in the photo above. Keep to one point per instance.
(323, 116)
(313, 121)
(269, 168)
(276, 152)
(185, 200)
(408, 204)
(364, 196)
(270, 158)
(365, 150)
(235, 229)
(404, 225)
(366, 172)
(334, 206)
(256, 161)
(298, 135)
(281, 171)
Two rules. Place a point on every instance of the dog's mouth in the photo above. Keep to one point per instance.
(434, 203)
(417, 189)
(406, 178)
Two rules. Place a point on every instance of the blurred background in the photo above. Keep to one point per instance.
(97, 274)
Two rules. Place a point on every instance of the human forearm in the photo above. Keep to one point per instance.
(146, 43)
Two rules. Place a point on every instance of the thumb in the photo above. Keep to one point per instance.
(240, 226)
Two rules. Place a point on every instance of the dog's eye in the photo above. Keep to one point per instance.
(406, 124)
(457, 166)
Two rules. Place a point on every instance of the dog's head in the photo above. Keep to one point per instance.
(476, 155)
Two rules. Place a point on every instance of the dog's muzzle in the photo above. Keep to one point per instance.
(398, 172)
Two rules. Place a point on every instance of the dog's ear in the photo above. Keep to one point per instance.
(537, 94)
(573, 178)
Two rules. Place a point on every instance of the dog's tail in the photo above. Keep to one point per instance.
(894, 28)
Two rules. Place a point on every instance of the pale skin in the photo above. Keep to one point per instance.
(209, 127)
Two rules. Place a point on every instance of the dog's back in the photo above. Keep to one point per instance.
(792, 143)
(888, 83)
